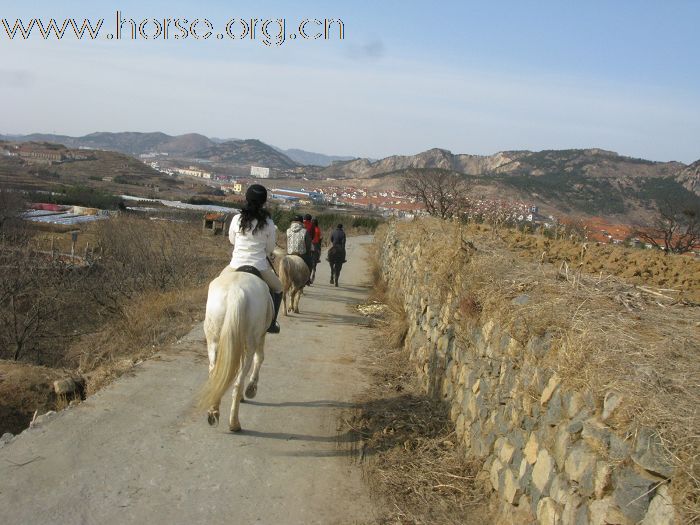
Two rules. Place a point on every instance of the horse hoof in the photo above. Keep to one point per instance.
(213, 419)
(235, 428)
(251, 391)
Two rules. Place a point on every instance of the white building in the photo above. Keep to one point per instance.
(260, 172)
(192, 171)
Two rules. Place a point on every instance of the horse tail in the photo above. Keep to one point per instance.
(230, 351)
(286, 270)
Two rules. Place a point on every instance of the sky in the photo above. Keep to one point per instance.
(471, 77)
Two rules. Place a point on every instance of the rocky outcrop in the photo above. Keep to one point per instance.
(548, 451)
(590, 162)
(689, 177)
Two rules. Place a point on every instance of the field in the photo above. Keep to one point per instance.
(142, 285)
(675, 276)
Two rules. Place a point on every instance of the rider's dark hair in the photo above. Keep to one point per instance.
(255, 197)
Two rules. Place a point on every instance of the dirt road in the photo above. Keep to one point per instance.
(138, 452)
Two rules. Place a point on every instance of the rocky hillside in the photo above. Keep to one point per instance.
(591, 162)
(689, 177)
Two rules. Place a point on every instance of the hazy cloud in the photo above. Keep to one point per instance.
(16, 78)
(373, 49)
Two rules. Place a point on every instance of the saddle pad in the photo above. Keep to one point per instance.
(249, 269)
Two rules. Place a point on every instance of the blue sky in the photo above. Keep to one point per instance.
(472, 77)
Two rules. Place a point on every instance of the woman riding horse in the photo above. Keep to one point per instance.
(253, 235)
(239, 309)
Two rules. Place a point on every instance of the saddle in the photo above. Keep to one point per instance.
(246, 268)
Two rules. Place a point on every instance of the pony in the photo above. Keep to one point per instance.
(336, 258)
(238, 313)
(294, 274)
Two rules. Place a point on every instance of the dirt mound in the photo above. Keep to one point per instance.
(676, 274)
(25, 389)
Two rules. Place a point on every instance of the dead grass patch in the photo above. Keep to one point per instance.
(413, 460)
(148, 324)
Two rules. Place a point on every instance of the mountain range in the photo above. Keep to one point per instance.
(190, 145)
(590, 181)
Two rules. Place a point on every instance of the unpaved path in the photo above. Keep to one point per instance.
(137, 452)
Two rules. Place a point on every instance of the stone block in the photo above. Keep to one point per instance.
(596, 435)
(611, 402)
(521, 300)
(650, 455)
(548, 391)
(458, 395)
(495, 474)
(64, 387)
(632, 493)
(575, 511)
(511, 489)
(548, 512)
(602, 479)
(572, 403)
(524, 472)
(554, 411)
(559, 489)
(562, 443)
(661, 510)
(580, 467)
(532, 448)
(505, 454)
(619, 448)
(544, 471)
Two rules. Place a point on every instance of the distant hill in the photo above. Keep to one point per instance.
(181, 146)
(251, 152)
(239, 153)
(309, 158)
(593, 162)
(108, 170)
(567, 182)
(130, 143)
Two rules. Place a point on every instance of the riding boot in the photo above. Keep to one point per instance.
(276, 301)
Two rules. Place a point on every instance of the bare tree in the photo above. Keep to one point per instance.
(442, 192)
(676, 228)
(11, 205)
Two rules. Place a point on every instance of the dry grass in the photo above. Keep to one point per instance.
(413, 460)
(608, 334)
(151, 322)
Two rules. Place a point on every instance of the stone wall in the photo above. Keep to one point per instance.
(547, 451)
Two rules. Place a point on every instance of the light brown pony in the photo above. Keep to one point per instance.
(294, 274)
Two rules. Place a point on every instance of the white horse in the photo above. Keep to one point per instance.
(239, 312)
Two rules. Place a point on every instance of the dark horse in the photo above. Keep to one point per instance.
(336, 258)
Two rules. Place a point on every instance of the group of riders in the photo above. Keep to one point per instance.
(254, 234)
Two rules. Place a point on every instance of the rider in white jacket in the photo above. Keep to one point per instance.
(253, 235)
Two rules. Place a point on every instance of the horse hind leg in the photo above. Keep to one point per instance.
(212, 348)
(252, 389)
(234, 425)
(295, 300)
(284, 301)
(213, 416)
